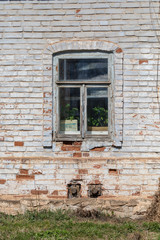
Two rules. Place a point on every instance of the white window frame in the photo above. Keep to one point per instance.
(83, 96)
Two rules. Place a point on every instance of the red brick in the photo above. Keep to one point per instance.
(70, 148)
(136, 194)
(2, 181)
(47, 94)
(1, 139)
(100, 149)
(78, 10)
(23, 171)
(77, 143)
(24, 177)
(141, 61)
(37, 172)
(39, 192)
(55, 193)
(119, 50)
(77, 154)
(18, 144)
(86, 154)
(83, 171)
(97, 166)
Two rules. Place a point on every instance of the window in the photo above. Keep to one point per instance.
(83, 98)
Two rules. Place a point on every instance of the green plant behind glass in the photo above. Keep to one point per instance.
(68, 113)
(98, 117)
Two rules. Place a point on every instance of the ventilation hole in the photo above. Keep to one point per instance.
(74, 190)
(94, 190)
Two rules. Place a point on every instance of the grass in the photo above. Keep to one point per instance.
(62, 225)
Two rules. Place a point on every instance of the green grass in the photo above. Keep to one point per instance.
(62, 225)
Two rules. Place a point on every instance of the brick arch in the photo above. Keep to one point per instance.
(80, 45)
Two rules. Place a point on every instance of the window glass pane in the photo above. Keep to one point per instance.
(97, 110)
(69, 107)
(94, 69)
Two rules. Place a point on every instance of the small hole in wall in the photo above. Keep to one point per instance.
(67, 142)
(94, 190)
(113, 171)
(74, 190)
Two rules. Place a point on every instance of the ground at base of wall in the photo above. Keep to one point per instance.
(133, 207)
(69, 225)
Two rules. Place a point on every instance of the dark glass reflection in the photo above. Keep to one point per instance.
(97, 109)
(69, 107)
(83, 69)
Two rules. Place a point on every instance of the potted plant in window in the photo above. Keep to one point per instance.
(98, 119)
(69, 118)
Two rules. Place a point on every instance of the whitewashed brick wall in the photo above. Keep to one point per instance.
(27, 28)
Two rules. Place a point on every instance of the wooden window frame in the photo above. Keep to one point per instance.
(83, 85)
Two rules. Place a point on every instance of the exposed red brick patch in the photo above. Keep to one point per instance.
(86, 154)
(117, 187)
(39, 192)
(100, 149)
(94, 182)
(141, 61)
(119, 50)
(48, 68)
(136, 194)
(1, 139)
(83, 171)
(55, 193)
(77, 154)
(78, 178)
(78, 10)
(151, 197)
(47, 94)
(2, 181)
(77, 143)
(141, 133)
(47, 128)
(97, 166)
(24, 177)
(113, 171)
(23, 171)
(18, 144)
(135, 115)
(37, 172)
(47, 110)
(70, 148)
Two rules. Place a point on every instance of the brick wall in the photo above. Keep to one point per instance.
(30, 32)
(127, 185)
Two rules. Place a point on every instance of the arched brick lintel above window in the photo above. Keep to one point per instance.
(82, 45)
